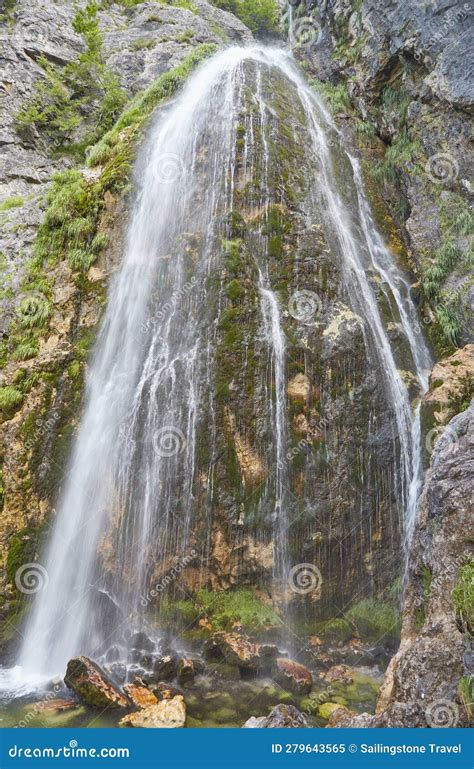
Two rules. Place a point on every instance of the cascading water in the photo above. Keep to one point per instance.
(143, 473)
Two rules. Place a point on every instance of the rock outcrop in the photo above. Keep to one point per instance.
(167, 714)
(427, 681)
(92, 685)
(404, 74)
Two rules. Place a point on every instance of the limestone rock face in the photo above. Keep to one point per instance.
(167, 714)
(140, 43)
(91, 684)
(451, 382)
(421, 686)
(417, 53)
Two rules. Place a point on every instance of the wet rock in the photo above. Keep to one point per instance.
(164, 691)
(238, 649)
(281, 717)
(118, 671)
(165, 668)
(92, 685)
(135, 672)
(141, 642)
(185, 671)
(141, 696)
(293, 676)
(339, 716)
(339, 673)
(167, 714)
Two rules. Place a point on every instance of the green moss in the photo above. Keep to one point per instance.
(463, 597)
(336, 630)
(22, 548)
(235, 291)
(15, 201)
(374, 621)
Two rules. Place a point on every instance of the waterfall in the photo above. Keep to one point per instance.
(131, 494)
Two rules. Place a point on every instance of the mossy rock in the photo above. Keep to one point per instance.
(327, 708)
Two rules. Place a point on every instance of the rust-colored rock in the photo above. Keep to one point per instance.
(141, 696)
(238, 649)
(339, 673)
(293, 676)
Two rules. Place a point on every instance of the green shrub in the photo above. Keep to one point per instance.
(466, 695)
(463, 597)
(10, 400)
(336, 96)
(374, 621)
(260, 16)
(144, 103)
(85, 87)
(26, 348)
(33, 311)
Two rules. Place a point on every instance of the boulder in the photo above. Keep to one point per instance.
(141, 696)
(141, 642)
(92, 685)
(339, 673)
(164, 691)
(293, 676)
(238, 649)
(167, 714)
(186, 671)
(165, 668)
(281, 717)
